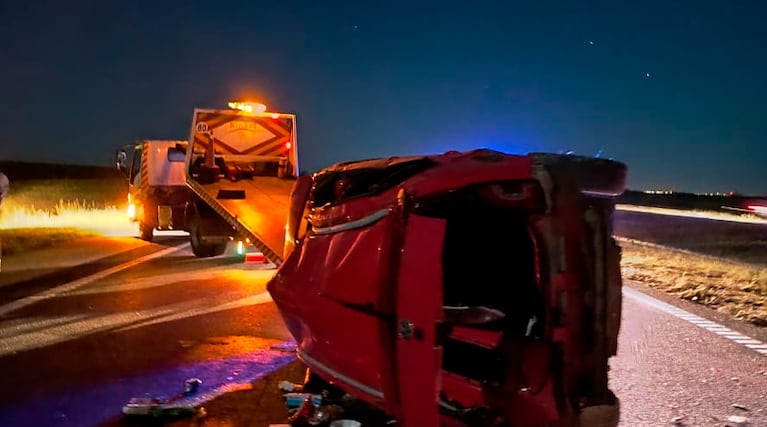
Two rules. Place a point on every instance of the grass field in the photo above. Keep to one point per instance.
(726, 285)
(41, 213)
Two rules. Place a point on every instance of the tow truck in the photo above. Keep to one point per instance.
(241, 163)
(229, 181)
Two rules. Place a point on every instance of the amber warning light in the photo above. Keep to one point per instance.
(248, 107)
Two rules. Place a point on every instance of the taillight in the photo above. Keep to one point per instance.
(288, 145)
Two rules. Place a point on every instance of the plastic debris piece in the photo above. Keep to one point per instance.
(739, 406)
(191, 386)
(289, 387)
(288, 347)
(319, 416)
(304, 412)
(678, 420)
(141, 405)
(152, 406)
(737, 419)
(345, 423)
(295, 400)
(162, 407)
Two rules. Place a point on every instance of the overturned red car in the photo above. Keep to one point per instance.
(467, 288)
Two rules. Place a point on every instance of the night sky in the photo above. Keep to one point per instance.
(675, 89)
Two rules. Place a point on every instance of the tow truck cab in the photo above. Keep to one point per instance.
(157, 191)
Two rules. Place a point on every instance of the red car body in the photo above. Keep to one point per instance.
(473, 288)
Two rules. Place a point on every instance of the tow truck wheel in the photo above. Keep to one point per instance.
(200, 248)
(145, 231)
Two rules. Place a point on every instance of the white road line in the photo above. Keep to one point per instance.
(708, 325)
(66, 287)
(54, 331)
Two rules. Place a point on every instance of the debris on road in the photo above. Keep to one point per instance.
(287, 347)
(737, 419)
(170, 407)
(289, 387)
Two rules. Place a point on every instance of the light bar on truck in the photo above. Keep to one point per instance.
(248, 107)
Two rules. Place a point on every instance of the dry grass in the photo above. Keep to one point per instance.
(727, 286)
(42, 213)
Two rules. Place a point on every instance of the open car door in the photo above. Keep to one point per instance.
(418, 313)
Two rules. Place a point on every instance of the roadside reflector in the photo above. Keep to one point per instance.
(255, 257)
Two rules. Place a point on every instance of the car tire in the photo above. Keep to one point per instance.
(145, 231)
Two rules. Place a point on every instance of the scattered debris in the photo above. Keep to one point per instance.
(191, 385)
(162, 407)
(314, 409)
(737, 419)
(287, 347)
(156, 407)
(289, 387)
(345, 423)
(678, 420)
(295, 400)
(738, 406)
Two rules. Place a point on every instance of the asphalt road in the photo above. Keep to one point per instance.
(78, 341)
(747, 242)
(76, 347)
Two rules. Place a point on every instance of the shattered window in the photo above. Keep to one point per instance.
(339, 186)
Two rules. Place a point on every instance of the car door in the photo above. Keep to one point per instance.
(418, 311)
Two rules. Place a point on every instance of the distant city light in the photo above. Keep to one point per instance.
(658, 191)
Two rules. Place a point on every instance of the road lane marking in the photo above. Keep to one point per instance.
(66, 287)
(261, 298)
(74, 327)
(708, 325)
(159, 280)
(687, 213)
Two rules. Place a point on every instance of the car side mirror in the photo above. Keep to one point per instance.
(121, 161)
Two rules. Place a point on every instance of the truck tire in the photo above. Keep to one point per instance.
(145, 231)
(200, 248)
(594, 176)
